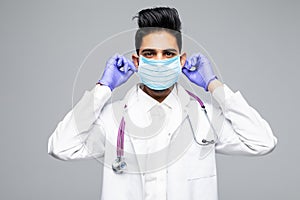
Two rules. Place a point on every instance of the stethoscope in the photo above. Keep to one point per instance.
(119, 165)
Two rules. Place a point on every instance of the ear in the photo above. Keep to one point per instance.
(182, 59)
(135, 60)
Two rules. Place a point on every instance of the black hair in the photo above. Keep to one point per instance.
(158, 19)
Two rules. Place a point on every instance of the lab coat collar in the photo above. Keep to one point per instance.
(144, 99)
(140, 98)
(150, 102)
(137, 97)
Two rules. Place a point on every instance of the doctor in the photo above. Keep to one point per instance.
(174, 163)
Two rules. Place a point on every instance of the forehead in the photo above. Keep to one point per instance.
(159, 40)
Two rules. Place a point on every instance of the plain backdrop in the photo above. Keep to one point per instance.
(43, 43)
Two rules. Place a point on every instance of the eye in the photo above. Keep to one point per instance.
(169, 54)
(148, 54)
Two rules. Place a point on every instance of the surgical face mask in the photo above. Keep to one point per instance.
(159, 74)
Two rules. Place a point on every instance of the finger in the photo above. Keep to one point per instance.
(203, 58)
(128, 74)
(187, 64)
(120, 61)
(128, 65)
(112, 60)
(131, 66)
(194, 59)
(126, 68)
(185, 71)
(191, 61)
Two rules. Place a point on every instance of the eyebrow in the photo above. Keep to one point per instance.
(174, 50)
(145, 50)
(164, 50)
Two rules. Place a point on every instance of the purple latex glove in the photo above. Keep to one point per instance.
(117, 71)
(199, 71)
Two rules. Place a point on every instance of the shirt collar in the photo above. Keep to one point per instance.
(148, 102)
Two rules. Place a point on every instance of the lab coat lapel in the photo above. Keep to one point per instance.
(119, 110)
(194, 122)
(133, 141)
(189, 107)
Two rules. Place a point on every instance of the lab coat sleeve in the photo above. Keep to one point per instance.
(242, 130)
(81, 133)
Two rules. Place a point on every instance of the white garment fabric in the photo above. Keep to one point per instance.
(155, 181)
(90, 130)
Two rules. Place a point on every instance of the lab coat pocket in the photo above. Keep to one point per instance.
(203, 188)
(202, 179)
(204, 167)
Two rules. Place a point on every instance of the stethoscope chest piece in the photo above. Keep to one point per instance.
(119, 165)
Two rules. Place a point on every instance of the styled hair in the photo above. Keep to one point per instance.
(156, 20)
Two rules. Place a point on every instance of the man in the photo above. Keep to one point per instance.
(177, 160)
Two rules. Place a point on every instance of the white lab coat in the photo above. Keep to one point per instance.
(90, 130)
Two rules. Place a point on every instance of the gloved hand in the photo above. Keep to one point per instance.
(203, 73)
(117, 71)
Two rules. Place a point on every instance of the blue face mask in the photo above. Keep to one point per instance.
(159, 74)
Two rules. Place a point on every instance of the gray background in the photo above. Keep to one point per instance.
(254, 43)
